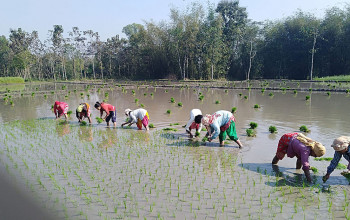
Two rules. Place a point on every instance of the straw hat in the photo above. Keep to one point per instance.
(319, 149)
(341, 143)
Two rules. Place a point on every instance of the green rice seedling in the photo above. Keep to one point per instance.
(240, 94)
(45, 96)
(106, 94)
(250, 132)
(310, 89)
(226, 91)
(99, 120)
(347, 91)
(323, 158)
(201, 97)
(69, 113)
(204, 129)
(253, 125)
(303, 128)
(233, 110)
(197, 134)
(329, 93)
(11, 103)
(169, 129)
(142, 105)
(83, 123)
(81, 94)
(346, 174)
(307, 97)
(245, 97)
(33, 94)
(88, 95)
(217, 102)
(133, 92)
(179, 104)
(52, 92)
(168, 111)
(314, 169)
(256, 106)
(295, 92)
(151, 125)
(136, 100)
(66, 97)
(271, 94)
(262, 90)
(172, 100)
(341, 166)
(5, 99)
(152, 94)
(205, 139)
(166, 91)
(272, 129)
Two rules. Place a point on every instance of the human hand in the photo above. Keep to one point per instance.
(325, 177)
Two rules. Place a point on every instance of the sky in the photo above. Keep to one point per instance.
(108, 17)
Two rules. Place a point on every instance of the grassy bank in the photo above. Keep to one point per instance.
(7, 80)
(334, 78)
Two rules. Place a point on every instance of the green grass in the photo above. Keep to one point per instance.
(334, 78)
(7, 80)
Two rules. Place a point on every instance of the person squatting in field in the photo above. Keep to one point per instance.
(194, 122)
(342, 149)
(83, 111)
(60, 108)
(139, 116)
(110, 112)
(300, 146)
(221, 123)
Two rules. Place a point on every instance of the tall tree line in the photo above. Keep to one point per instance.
(201, 42)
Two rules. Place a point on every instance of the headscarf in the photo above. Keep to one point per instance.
(127, 111)
(80, 108)
(207, 120)
(341, 143)
(315, 146)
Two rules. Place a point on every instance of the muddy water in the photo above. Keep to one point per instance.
(91, 171)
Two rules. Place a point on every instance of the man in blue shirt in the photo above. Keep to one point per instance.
(341, 147)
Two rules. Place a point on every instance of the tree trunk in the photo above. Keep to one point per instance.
(251, 56)
(312, 55)
(93, 68)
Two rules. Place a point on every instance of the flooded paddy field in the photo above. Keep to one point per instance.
(94, 172)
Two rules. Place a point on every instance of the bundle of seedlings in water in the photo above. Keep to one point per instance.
(329, 93)
(295, 92)
(233, 110)
(151, 125)
(83, 123)
(179, 104)
(323, 158)
(272, 129)
(303, 128)
(197, 134)
(106, 94)
(346, 174)
(262, 90)
(253, 125)
(99, 120)
(142, 105)
(69, 113)
(201, 97)
(136, 100)
(245, 97)
(172, 100)
(250, 132)
(205, 139)
(217, 102)
(307, 97)
(341, 166)
(314, 169)
(256, 106)
(271, 94)
(168, 111)
(169, 129)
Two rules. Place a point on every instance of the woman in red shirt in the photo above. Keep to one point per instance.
(60, 108)
(110, 112)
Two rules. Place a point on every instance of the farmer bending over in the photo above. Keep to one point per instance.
(60, 108)
(139, 116)
(300, 146)
(83, 111)
(110, 112)
(221, 123)
(194, 122)
(341, 147)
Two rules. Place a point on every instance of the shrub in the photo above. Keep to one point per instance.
(253, 125)
(303, 128)
(272, 129)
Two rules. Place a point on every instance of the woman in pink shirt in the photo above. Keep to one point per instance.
(60, 108)
(110, 112)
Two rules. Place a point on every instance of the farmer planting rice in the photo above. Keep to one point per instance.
(221, 123)
(110, 112)
(139, 116)
(341, 147)
(300, 146)
(60, 108)
(194, 122)
(83, 111)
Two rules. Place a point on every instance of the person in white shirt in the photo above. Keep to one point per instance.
(139, 116)
(194, 122)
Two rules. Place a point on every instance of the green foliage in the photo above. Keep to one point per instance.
(9, 80)
(303, 128)
(253, 125)
(272, 129)
(245, 97)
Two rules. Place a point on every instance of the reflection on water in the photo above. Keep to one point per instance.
(62, 128)
(85, 133)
